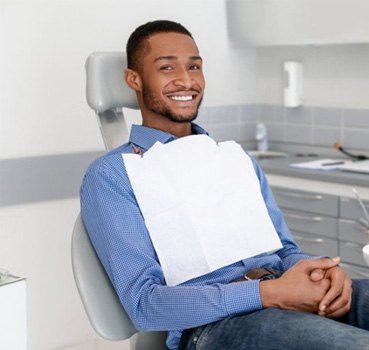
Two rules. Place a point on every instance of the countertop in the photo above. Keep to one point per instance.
(280, 166)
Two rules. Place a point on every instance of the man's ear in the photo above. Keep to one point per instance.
(133, 79)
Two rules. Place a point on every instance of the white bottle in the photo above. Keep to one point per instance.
(261, 137)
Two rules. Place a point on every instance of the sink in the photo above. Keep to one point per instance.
(267, 154)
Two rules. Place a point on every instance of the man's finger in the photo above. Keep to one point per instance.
(340, 304)
(317, 275)
(323, 264)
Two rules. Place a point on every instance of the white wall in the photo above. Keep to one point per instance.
(35, 243)
(43, 46)
(334, 76)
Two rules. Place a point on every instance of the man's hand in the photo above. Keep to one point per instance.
(296, 290)
(337, 301)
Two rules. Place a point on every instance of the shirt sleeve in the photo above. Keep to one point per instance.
(119, 235)
(290, 254)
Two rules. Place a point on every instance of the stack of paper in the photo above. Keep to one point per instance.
(321, 164)
(361, 166)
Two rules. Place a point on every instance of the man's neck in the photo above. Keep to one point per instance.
(176, 129)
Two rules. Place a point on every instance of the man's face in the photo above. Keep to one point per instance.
(172, 78)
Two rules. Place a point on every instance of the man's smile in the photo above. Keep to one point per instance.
(182, 98)
(183, 95)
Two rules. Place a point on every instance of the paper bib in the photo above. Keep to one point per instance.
(202, 205)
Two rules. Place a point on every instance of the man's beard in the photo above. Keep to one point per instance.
(159, 107)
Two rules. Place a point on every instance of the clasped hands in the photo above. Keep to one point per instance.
(312, 285)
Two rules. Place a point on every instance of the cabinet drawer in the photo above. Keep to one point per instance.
(350, 208)
(352, 253)
(311, 223)
(316, 245)
(352, 231)
(356, 272)
(307, 201)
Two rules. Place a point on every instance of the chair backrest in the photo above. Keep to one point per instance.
(107, 94)
(100, 301)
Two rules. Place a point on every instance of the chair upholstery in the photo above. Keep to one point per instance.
(99, 299)
(101, 303)
(107, 94)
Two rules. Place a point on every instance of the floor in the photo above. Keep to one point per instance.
(99, 344)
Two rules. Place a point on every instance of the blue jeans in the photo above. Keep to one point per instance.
(277, 329)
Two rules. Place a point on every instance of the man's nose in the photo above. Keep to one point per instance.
(184, 79)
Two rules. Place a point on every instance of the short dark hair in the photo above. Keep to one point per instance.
(137, 42)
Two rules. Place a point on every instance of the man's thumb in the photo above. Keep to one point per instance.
(337, 259)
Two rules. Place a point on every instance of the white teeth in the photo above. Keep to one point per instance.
(181, 98)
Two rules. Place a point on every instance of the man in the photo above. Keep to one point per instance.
(294, 301)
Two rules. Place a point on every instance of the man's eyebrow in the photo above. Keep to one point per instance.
(172, 58)
(195, 58)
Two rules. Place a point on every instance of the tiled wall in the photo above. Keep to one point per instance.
(313, 126)
(317, 126)
(229, 122)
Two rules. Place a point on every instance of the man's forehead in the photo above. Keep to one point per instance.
(171, 44)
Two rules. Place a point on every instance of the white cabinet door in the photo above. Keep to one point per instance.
(298, 22)
(13, 315)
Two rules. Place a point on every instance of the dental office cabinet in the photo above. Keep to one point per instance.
(289, 22)
(13, 326)
(325, 220)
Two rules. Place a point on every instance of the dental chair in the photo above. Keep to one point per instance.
(107, 94)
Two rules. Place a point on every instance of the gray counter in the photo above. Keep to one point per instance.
(280, 166)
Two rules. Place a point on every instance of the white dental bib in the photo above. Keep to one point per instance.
(202, 205)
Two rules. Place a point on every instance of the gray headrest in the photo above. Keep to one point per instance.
(105, 85)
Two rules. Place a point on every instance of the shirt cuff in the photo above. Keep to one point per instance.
(292, 259)
(242, 297)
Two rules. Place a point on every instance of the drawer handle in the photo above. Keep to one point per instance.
(307, 218)
(309, 240)
(362, 229)
(301, 195)
(356, 247)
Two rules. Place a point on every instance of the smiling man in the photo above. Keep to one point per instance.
(279, 299)
(168, 80)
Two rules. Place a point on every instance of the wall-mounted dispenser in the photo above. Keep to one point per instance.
(292, 94)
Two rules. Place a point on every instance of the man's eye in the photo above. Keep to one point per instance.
(166, 67)
(195, 67)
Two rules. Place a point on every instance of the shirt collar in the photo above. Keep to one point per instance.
(145, 137)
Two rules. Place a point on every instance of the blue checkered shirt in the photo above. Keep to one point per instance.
(118, 232)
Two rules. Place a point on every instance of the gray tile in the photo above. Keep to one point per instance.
(356, 118)
(327, 136)
(246, 131)
(248, 113)
(356, 138)
(224, 132)
(203, 116)
(300, 115)
(299, 134)
(327, 116)
(222, 114)
(276, 132)
(270, 113)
